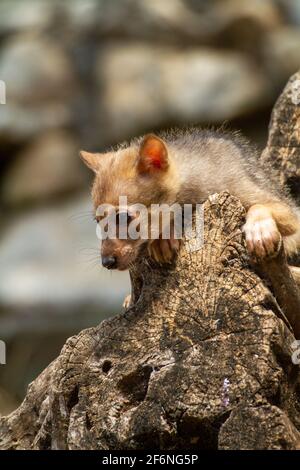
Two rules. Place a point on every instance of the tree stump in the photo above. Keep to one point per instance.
(202, 360)
(283, 147)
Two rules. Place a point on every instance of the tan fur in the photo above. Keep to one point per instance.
(187, 167)
(287, 221)
(266, 223)
(117, 175)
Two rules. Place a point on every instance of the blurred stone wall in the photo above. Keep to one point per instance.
(87, 74)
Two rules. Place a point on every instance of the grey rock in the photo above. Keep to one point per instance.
(84, 16)
(146, 86)
(19, 123)
(40, 86)
(35, 68)
(50, 257)
(25, 15)
(292, 10)
(282, 54)
(179, 21)
(49, 166)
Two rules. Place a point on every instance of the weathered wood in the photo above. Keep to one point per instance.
(285, 288)
(282, 153)
(283, 148)
(201, 349)
(201, 360)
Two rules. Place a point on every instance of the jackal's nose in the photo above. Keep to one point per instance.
(109, 262)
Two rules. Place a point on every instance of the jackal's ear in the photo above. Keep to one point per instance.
(153, 155)
(90, 159)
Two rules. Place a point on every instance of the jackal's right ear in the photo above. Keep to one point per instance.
(91, 160)
(153, 155)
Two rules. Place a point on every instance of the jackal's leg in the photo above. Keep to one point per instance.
(163, 251)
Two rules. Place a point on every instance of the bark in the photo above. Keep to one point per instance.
(282, 151)
(283, 147)
(201, 360)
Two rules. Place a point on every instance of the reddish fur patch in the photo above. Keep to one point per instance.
(153, 154)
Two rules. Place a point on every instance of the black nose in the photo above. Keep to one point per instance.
(109, 262)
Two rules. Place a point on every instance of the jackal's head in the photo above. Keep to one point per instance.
(142, 173)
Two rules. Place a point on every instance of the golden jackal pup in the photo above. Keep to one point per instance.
(186, 167)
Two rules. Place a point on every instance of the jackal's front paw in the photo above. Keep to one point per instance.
(262, 237)
(163, 251)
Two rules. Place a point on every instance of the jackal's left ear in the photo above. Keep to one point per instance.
(153, 155)
(90, 159)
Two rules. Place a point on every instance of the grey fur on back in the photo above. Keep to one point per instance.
(214, 160)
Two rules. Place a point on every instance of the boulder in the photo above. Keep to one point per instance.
(50, 257)
(145, 86)
(48, 167)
